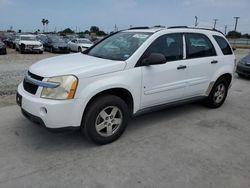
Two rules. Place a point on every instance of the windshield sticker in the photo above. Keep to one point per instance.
(140, 36)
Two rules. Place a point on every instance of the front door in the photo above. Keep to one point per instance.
(166, 82)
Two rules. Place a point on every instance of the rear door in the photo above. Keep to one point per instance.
(201, 57)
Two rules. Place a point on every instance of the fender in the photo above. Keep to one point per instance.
(90, 87)
(226, 69)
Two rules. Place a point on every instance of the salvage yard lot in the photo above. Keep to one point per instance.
(186, 146)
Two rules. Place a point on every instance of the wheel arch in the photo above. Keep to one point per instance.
(123, 93)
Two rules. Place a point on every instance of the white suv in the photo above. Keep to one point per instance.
(125, 74)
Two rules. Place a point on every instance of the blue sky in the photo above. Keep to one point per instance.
(27, 14)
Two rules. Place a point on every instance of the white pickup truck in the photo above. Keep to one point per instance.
(127, 73)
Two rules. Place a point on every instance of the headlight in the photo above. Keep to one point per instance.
(66, 89)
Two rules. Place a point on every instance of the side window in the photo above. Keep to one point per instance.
(224, 46)
(198, 45)
(170, 45)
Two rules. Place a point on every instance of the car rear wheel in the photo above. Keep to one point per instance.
(79, 49)
(105, 119)
(218, 94)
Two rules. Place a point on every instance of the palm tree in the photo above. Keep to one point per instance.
(47, 22)
(43, 22)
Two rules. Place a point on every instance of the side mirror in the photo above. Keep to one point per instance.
(154, 59)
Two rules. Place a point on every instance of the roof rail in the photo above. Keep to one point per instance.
(207, 29)
(132, 28)
(176, 27)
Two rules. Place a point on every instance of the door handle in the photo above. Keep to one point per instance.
(181, 67)
(214, 62)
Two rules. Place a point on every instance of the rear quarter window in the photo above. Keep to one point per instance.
(223, 44)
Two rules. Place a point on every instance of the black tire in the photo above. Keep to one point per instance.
(22, 48)
(79, 49)
(213, 101)
(241, 75)
(92, 114)
(51, 50)
(41, 52)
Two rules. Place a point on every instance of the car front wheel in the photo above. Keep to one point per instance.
(105, 119)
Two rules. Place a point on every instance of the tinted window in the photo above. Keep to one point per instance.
(198, 45)
(224, 46)
(171, 46)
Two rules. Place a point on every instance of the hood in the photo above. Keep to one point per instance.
(77, 64)
(86, 45)
(60, 44)
(246, 59)
(28, 42)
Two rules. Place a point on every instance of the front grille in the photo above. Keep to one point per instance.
(63, 48)
(32, 46)
(29, 87)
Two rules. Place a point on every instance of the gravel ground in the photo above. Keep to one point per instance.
(13, 66)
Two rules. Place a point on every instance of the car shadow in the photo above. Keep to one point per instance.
(39, 138)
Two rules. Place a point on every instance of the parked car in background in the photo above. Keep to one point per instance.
(128, 73)
(2, 48)
(42, 38)
(56, 44)
(28, 43)
(11, 41)
(80, 44)
(243, 67)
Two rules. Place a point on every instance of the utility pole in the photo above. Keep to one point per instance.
(215, 21)
(236, 22)
(115, 28)
(196, 21)
(225, 29)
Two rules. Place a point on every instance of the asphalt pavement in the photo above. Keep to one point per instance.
(188, 146)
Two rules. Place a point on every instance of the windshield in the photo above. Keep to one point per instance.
(84, 41)
(119, 46)
(57, 40)
(29, 38)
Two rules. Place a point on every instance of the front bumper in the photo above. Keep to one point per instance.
(31, 49)
(243, 69)
(50, 113)
(61, 49)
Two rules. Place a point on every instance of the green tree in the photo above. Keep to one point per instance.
(233, 34)
(101, 33)
(94, 29)
(43, 22)
(67, 31)
(247, 36)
